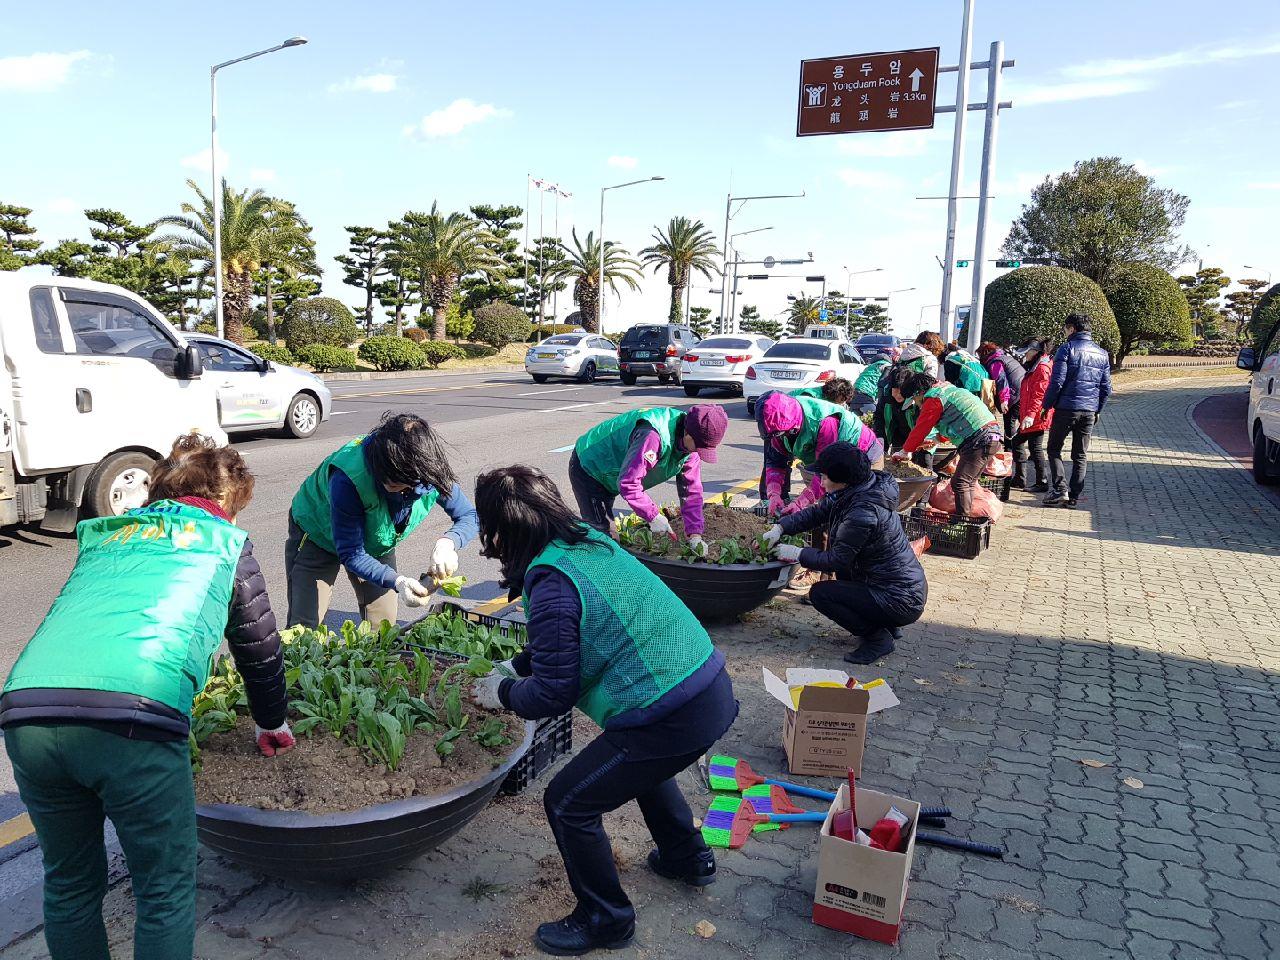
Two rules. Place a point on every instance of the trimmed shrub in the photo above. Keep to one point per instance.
(417, 335)
(322, 358)
(498, 324)
(1265, 316)
(392, 353)
(275, 352)
(319, 320)
(1033, 302)
(1148, 305)
(458, 324)
(436, 352)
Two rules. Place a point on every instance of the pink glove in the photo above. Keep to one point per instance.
(793, 507)
(273, 742)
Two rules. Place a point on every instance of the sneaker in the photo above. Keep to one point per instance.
(702, 874)
(1069, 503)
(1038, 488)
(1054, 500)
(571, 937)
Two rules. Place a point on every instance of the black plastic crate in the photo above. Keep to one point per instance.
(1000, 486)
(553, 737)
(964, 539)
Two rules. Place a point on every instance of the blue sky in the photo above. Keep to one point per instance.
(393, 105)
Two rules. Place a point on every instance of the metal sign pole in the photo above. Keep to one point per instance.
(957, 167)
(990, 130)
(723, 325)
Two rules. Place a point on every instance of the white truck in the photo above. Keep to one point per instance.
(94, 388)
(1263, 423)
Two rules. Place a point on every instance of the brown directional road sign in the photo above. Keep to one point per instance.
(868, 91)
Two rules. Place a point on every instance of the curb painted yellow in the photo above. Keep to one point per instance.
(16, 829)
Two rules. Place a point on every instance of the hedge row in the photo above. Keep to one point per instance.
(401, 353)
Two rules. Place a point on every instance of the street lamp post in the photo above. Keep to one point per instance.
(1249, 266)
(724, 259)
(213, 164)
(616, 186)
(848, 288)
(732, 325)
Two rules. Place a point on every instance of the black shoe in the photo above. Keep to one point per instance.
(1038, 488)
(1054, 500)
(1069, 503)
(571, 938)
(878, 645)
(704, 872)
(896, 632)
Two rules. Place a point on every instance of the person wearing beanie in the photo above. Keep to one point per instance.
(879, 584)
(633, 452)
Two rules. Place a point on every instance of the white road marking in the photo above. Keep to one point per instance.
(578, 406)
(341, 413)
(563, 449)
(543, 393)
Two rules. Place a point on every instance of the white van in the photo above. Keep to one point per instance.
(94, 388)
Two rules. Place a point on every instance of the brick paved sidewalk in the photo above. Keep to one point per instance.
(1139, 631)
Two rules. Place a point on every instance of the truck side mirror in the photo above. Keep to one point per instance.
(1247, 359)
(191, 365)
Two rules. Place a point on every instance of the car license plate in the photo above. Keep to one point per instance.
(788, 375)
(712, 363)
(641, 355)
(547, 356)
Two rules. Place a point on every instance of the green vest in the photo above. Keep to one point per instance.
(144, 610)
(814, 392)
(312, 511)
(963, 414)
(602, 449)
(804, 446)
(637, 639)
(868, 382)
(972, 372)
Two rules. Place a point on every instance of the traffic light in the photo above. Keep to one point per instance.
(1008, 264)
(962, 263)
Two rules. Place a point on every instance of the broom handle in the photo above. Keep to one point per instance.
(802, 791)
(935, 813)
(815, 817)
(956, 843)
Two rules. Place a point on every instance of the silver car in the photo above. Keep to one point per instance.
(257, 394)
(577, 356)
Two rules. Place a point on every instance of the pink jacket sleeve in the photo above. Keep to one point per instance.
(631, 477)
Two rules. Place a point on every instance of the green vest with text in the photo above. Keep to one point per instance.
(804, 446)
(963, 414)
(144, 610)
(602, 449)
(312, 511)
(868, 382)
(638, 640)
(814, 392)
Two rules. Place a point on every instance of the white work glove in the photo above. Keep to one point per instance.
(485, 691)
(773, 535)
(412, 592)
(789, 552)
(506, 668)
(660, 524)
(698, 544)
(1027, 422)
(899, 456)
(444, 559)
(273, 742)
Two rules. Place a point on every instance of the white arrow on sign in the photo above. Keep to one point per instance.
(915, 76)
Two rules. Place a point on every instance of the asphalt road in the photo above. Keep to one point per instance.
(488, 420)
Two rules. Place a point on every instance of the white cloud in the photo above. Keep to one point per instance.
(868, 179)
(1271, 185)
(626, 163)
(1195, 56)
(368, 83)
(200, 161)
(61, 205)
(905, 143)
(262, 175)
(1080, 90)
(38, 72)
(451, 120)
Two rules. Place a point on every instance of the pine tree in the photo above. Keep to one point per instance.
(363, 264)
(503, 225)
(18, 242)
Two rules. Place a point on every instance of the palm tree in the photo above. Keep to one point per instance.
(287, 247)
(247, 229)
(582, 266)
(444, 249)
(801, 312)
(686, 247)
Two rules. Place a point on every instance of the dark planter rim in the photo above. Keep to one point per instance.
(676, 561)
(301, 820)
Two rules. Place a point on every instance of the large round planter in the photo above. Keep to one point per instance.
(357, 843)
(716, 592)
(911, 491)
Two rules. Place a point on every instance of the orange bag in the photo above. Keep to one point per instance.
(1001, 465)
(985, 503)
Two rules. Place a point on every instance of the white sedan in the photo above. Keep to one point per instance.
(800, 362)
(578, 356)
(721, 363)
(257, 394)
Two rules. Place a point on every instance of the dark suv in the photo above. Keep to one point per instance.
(877, 346)
(653, 350)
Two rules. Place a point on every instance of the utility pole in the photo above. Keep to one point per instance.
(994, 71)
(957, 168)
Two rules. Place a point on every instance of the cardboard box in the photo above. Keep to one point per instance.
(862, 890)
(824, 733)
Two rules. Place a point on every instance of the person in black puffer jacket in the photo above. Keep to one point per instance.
(880, 585)
(96, 711)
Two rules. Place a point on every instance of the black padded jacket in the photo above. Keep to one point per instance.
(255, 646)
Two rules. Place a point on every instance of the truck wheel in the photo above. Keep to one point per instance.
(1261, 463)
(120, 482)
(303, 418)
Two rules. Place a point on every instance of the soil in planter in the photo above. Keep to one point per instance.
(722, 523)
(324, 775)
(906, 470)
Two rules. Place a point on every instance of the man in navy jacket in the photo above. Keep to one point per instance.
(1078, 389)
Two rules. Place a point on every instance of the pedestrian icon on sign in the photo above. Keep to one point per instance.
(816, 95)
